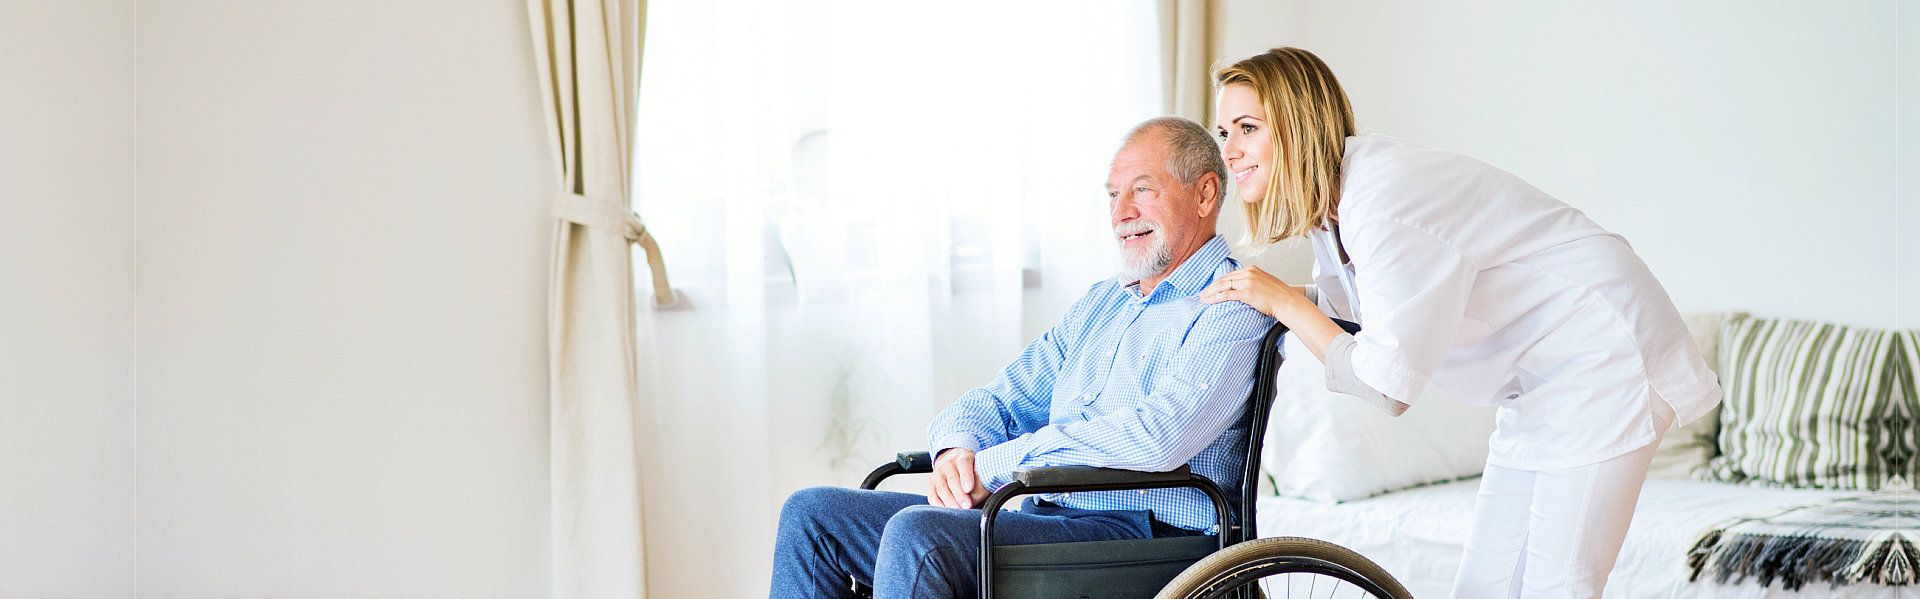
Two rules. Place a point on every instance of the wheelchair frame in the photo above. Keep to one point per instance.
(1232, 527)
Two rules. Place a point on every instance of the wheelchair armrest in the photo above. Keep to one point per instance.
(914, 462)
(907, 462)
(1062, 476)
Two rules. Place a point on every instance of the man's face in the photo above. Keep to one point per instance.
(1156, 220)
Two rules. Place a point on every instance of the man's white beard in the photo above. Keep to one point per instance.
(1140, 263)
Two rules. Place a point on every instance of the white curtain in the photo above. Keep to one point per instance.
(588, 57)
(1189, 54)
(1187, 57)
(870, 207)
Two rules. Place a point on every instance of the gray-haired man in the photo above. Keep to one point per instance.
(1137, 375)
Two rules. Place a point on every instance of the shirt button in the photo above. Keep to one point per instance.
(1204, 387)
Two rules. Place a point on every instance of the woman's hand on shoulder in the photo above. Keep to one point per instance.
(1257, 288)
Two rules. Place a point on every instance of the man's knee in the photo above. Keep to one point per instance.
(809, 504)
(923, 526)
(928, 548)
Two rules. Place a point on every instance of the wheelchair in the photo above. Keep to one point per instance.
(1228, 562)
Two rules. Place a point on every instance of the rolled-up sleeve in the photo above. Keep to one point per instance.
(1340, 378)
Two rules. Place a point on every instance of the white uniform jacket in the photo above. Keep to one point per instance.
(1467, 277)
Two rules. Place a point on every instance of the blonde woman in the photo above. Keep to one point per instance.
(1465, 276)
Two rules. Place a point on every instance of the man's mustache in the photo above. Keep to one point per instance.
(1134, 228)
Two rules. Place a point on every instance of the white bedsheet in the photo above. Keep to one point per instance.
(1416, 534)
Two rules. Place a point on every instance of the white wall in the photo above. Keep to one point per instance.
(343, 249)
(67, 329)
(1907, 162)
(1746, 150)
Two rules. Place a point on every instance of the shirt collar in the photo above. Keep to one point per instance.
(1191, 276)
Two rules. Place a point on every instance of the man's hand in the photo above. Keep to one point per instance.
(954, 483)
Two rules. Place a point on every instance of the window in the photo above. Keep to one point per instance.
(867, 209)
(824, 144)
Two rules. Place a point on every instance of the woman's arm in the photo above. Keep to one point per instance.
(1292, 306)
(1285, 303)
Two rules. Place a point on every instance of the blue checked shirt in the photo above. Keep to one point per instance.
(1123, 381)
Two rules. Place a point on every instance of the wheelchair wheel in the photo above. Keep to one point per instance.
(1285, 567)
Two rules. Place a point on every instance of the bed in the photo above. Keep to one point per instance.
(1417, 533)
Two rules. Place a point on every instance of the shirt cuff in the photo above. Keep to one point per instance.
(956, 441)
(996, 464)
(1340, 377)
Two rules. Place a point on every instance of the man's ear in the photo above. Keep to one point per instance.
(1209, 194)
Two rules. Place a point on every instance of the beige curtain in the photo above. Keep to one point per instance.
(588, 56)
(1186, 55)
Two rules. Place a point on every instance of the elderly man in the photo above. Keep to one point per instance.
(1137, 375)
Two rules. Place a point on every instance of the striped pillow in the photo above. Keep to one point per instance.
(1906, 423)
(1817, 405)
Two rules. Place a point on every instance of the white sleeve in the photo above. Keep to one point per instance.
(1340, 377)
(1413, 291)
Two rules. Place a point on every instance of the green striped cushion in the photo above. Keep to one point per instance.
(1905, 425)
(1812, 404)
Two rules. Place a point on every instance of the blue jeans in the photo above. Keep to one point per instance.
(903, 547)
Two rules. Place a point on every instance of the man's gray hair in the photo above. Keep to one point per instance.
(1191, 152)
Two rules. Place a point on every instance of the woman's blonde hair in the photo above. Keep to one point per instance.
(1309, 120)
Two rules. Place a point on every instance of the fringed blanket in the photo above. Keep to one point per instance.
(1868, 538)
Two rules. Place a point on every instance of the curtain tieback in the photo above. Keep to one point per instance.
(613, 217)
(604, 215)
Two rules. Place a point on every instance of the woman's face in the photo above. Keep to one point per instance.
(1246, 142)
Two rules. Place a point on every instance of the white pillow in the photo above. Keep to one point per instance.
(1327, 446)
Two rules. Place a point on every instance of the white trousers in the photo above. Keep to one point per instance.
(1553, 533)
